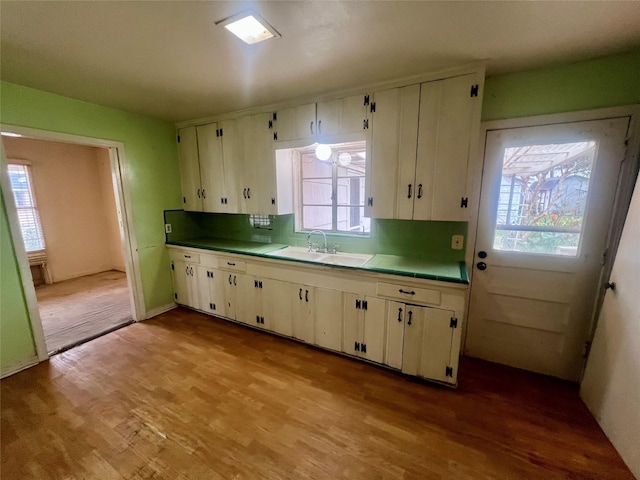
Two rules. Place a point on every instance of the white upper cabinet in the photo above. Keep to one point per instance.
(342, 116)
(447, 117)
(421, 143)
(189, 169)
(393, 150)
(212, 181)
(322, 122)
(296, 123)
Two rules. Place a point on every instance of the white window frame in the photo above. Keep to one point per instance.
(34, 207)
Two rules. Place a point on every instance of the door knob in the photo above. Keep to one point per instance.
(481, 266)
(482, 254)
(610, 285)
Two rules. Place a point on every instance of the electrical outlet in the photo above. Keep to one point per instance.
(457, 242)
(167, 228)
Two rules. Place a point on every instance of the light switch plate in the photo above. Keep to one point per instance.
(167, 228)
(457, 242)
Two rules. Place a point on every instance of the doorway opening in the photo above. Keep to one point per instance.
(68, 202)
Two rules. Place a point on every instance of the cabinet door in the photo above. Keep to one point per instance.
(446, 117)
(211, 168)
(211, 291)
(427, 343)
(185, 284)
(259, 165)
(230, 281)
(232, 154)
(281, 307)
(352, 325)
(303, 328)
(374, 329)
(248, 298)
(340, 116)
(395, 334)
(296, 123)
(413, 333)
(189, 169)
(436, 344)
(263, 303)
(328, 318)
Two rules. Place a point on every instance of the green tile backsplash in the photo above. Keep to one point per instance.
(421, 239)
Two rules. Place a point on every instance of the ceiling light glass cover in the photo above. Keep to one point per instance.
(323, 152)
(249, 27)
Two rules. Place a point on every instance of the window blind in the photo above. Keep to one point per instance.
(26, 207)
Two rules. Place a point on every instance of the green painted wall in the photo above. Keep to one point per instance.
(426, 240)
(16, 341)
(152, 173)
(598, 83)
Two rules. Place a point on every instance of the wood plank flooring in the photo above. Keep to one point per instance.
(185, 395)
(81, 308)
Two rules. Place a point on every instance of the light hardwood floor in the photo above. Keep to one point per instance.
(81, 308)
(189, 396)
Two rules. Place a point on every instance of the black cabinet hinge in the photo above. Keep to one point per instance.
(270, 123)
(370, 201)
(273, 201)
(365, 124)
(173, 267)
(217, 132)
(184, 199)
(474, 90)
(373, 107)
(364, 304)
(366, 100)
(357, 347)
(448, 372)
(363, 348)
(454, 322)
(221, 133)
(358, 304)
(259, 283)
(464, 202)
(275, 136)
(212, 306)
(178, 138)
(175, 295)
(255, 284)
(275, 116)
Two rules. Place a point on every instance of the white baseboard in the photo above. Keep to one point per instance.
(154, 312)
(7, 370)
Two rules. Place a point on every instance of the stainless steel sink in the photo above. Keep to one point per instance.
(342, 259)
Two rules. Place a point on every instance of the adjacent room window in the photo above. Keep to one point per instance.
(20, 177)
(330, 182)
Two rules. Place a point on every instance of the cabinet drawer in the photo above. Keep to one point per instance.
(409, 294)
(184, 256)
(232, 264)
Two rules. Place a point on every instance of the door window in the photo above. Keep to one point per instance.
(543, 197)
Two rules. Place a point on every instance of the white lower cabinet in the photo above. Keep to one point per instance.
(428, 336)
(364, 327)
(303, 312)
(328, 318)
(394, 345)
(185, 283)
(211, 291)
(410, 326)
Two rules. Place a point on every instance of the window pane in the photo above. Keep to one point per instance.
(312, 167)
(352, 219)
(543, 196)
(351, 191)
(316, 218)
(27, 214)
(317, 191)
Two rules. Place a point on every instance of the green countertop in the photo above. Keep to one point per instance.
(455, 272)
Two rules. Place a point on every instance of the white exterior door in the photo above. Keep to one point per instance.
(546, 203)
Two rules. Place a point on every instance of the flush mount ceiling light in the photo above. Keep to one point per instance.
(323, 152)
(249, 27)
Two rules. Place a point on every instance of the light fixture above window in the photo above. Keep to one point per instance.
(249, 27)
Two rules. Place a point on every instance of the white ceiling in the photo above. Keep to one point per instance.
(168, 60)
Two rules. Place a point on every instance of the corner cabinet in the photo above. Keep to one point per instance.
(407, 324)
(422, 139)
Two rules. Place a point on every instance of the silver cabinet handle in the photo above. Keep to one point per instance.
(311, 127)
(319, 127)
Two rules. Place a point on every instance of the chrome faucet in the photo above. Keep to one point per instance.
(323, 235)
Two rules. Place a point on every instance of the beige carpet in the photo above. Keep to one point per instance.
(82, 308)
